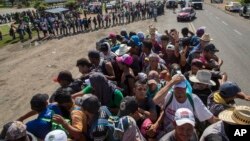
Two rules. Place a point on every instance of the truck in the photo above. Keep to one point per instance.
(196, 4)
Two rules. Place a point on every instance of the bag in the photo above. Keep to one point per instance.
(199, 126)
(103, 128)
(190, 99)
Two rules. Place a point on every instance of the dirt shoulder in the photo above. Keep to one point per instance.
(27, 71)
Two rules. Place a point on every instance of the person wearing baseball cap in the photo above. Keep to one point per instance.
(124, 62)
(209, 58)
(184, 127)
(171, 100)
(14, 131)
(225, 97)
(56, 135)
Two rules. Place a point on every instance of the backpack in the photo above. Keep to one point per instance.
(103, 128)
(199, 126)
(189, 97)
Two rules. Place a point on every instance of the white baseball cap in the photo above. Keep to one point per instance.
(181, 84)
(183, 116)
(56, 135)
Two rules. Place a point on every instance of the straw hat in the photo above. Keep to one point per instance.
(206, 37)
(203, 77)
(122, 50)
(239, 115)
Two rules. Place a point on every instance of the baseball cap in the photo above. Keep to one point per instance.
(39, 101)
(152, 81)
(141, 35)
(197, 62)
(183, 116)
(56, 135)
(181, 84)
(126, 59)
(112, 35)
(88, 102)
(105, 46)
(211, 48)
(64, 75)
(127, 106)
(14, 131)
(200, 31)
(142, 76)
(170, 47)
(229, 89)
(136, 41)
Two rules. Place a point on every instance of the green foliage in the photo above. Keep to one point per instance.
(40, 5)
(20, 5)
(71, 4)
(244, 2)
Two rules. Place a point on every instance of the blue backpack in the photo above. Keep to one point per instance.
(103, 127)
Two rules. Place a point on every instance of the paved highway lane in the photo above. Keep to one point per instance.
(231, 36)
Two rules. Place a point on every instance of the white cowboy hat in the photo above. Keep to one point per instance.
(206, 37)
(239, 115)
(202, 76)
(123, 49)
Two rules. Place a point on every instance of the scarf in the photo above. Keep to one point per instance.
(103, 89)
(219, 99)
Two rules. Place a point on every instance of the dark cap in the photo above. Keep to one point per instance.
(89, 102)
(211, 48)
(200, 31)
(197, 62)
(128, 106)
(63, 95)
(64, 75)
(94, 54)
(229, 89)
(39, 101)
(104, 46)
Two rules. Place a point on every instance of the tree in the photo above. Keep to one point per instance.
(12, 2)
(71, 4)
(244, 1)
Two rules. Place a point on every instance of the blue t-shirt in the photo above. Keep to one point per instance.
(39, 127)
(54, 107)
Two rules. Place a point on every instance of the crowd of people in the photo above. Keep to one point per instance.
(71, 22)
(139, 87)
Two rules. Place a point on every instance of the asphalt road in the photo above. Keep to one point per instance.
(231, 35)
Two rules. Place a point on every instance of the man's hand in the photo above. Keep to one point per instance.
(177, 78)
(59, 119)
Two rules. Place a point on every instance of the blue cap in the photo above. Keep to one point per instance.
(136, 40)
(229, 89)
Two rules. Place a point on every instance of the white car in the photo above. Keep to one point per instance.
(233, 6)
(109, 6)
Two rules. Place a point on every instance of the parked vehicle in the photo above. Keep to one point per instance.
(216, 1)
(182, 3)
(245, 11)
(233, 6)
(171, 4)
(196, 4)
(186, 14)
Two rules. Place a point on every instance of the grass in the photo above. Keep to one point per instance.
(5, 29)
(7, 39)
(5, 6)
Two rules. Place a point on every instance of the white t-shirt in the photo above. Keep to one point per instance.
(201, 111)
